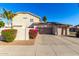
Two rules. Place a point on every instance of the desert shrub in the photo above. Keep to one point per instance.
(9, 34)
(32, 33)
(77, 34)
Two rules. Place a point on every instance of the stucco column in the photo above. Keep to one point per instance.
(27, 34)
(68, 31)
(59, 31)
(64, 31)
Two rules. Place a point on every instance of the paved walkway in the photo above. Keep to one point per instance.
(45, 45)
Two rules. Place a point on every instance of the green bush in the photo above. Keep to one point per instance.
(9, 34)
(2, 24)
(77, 34)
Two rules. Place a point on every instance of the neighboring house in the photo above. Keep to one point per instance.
(74, 28)
(53, 28)
(77, 27)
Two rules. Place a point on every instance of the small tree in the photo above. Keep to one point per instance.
(2, 24)
(8, 15)
(44, 19)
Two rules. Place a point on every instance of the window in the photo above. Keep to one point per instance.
(24, 17)
(31, 20)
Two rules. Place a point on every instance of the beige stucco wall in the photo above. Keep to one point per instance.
(36, 20)
(21, 22)
(24, 19)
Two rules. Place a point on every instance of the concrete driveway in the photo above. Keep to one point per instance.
(45, 45)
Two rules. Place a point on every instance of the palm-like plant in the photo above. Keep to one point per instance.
(8, 15)
(44, 19)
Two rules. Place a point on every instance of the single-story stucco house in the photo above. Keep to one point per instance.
(24, 21)
(53, 28)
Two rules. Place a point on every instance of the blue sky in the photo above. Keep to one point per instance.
(55, 12)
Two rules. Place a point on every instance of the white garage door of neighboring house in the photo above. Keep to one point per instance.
(20, 33)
